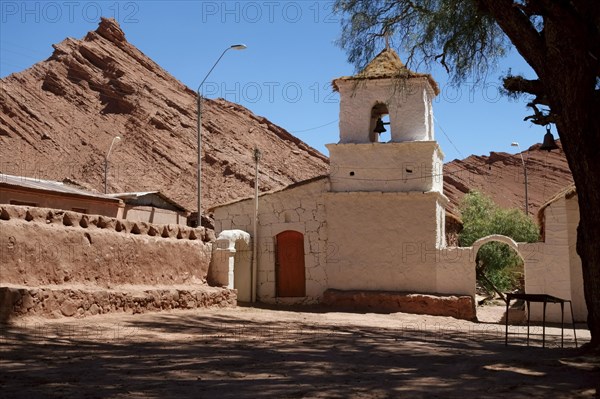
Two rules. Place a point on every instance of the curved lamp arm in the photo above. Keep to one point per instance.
(199, 127)
(234, 47)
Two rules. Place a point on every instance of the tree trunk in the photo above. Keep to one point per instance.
(563, 58)
(588, 249)
(583, 139)
(569, 79)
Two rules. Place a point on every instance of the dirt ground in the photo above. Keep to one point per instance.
(269, 353)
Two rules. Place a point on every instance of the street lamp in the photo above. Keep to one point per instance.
(234, 47)
(114, 140)
(515, 144)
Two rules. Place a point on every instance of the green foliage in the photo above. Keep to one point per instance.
(482, 217)
(455, 33)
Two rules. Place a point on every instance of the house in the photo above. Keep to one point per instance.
(20, 190)
(375, 223)
(558, 271)
(152, 207)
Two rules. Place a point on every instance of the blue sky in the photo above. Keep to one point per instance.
(284, 74)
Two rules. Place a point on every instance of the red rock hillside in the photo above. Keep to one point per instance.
(500, 175)
(58, 119)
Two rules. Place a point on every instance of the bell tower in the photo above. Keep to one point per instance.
(387, 139)
(386, 170)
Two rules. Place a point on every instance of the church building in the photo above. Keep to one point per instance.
(374, 224)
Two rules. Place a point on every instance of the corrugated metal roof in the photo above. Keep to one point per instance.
(49, 185)
(136, 195)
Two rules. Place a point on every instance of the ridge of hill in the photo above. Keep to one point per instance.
(59, 117)
(501, 176)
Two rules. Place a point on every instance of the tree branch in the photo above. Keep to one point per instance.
(530, 8)
(518, 84)
(539, 117)
(517, 26)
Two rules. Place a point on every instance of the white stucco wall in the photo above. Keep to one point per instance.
(356, 240)
(377, 222)
(386, 167)
(577, 294)
(300, 209)
(369, 231)
(408, 102)
(231, 263)
(558, 269)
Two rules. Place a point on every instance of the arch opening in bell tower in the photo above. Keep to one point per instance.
(380, 123)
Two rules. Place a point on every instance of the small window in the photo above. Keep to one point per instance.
(23, 203)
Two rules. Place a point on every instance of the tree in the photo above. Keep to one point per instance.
(496, 262)
(559, 39)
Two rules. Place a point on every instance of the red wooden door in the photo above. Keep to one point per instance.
(290, 264)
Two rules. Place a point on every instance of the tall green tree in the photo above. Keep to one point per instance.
(559, 39)
(496, 261)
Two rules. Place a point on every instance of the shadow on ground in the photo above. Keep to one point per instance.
(232, 355)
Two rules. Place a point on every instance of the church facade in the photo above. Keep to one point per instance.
(375, 223)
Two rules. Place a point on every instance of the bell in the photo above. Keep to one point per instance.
(548, 144)
(379, 128)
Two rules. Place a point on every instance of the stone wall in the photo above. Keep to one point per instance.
(460, 307)
(300, 209)
(73, 302)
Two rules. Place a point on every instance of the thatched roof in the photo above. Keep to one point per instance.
(387, 65)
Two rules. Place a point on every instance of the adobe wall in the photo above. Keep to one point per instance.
(369, 232)
(153, 215)
(40, 246)
(50, 256)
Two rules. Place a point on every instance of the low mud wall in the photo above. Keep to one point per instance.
(60, 263)
(40, 246)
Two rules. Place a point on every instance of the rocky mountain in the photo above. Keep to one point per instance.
(501, 176)
(59, 117)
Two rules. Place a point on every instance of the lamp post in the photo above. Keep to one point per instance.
(114, 140)
(234, 47)
(257, 157)
(515, 144)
